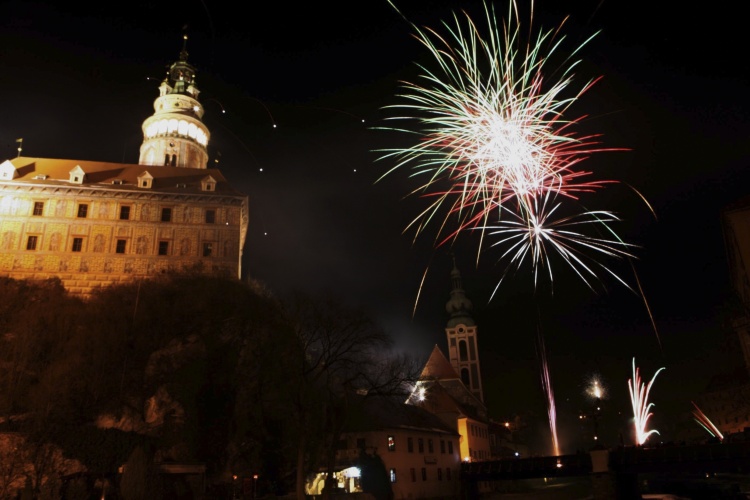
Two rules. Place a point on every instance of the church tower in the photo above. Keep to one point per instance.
(462, 336)
(175, 135)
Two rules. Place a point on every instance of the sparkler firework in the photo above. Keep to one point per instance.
(641, 407)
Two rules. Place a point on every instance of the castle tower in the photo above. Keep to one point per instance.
(174, 135)
(462, 336)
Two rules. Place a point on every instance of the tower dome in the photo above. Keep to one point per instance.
(175, 135)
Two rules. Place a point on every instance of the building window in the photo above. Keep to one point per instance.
(120, 248)
(31, 243)
(166, 214)
(410, 445)
(442, 446)
(448, 473)
(163, 248)
(38, 208)
(210, 216)
(420, 445)
(125, 212)
(424, 474)
(440, 474)
(77, 244)
(393, 475)
(391, 443)
(450, 447)
(430, 449)
(413, 473)
(83, 209)
(208, 249)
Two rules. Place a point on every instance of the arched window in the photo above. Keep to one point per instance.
(462, 350)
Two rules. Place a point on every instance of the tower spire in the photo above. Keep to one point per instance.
(175, 134)
(461, 331)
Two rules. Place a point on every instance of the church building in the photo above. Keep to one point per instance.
(93, 224)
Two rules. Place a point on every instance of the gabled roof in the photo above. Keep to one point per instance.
(121, 176)
(438, 367)
(378, 413)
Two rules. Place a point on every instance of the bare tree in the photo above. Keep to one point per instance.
(342, 351)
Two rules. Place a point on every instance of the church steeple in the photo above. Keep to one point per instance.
(175, 135)
(461, 331)
(458, 306)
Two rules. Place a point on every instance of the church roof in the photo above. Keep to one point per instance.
(377, 413)
(438, 367)
(120, 176)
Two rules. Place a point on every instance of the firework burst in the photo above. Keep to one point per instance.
(706, 423)
(641, 407)
(493, 139)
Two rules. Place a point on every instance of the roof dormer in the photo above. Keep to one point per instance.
(77, 175)
(7, 171)
(145, 180)
(208, 183)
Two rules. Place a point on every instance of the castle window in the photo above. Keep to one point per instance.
(424, 474)
(465, 377)
(393, 475)
(208, 249)
(442, 446)
(440, 474)
(410, 445)
(120, 246)
(166, 214)
(391, 443)
(83, 209)
(210, 216)
(38, 208)
(420, 445)
(450, 447)
(31, 243)
(125, 212)
(163, 248)
(462, 350)
(430, 448)
(77, 244)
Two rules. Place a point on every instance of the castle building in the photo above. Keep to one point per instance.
(94, 224)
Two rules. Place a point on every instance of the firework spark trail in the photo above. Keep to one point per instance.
(706, 423)
(551, 409)
(641, 407)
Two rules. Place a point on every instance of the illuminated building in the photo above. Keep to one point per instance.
(94, 224)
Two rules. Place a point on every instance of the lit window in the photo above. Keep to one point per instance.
(393, 475)
(77, 244)
(120, 248)
(391, 443)
(38, 208)
(210, 216)
(166, 214)
(125, 212)
(207, 249)
(163, 248)
(83, 210)
(31, 243)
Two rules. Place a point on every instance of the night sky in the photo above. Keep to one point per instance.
(77, 82)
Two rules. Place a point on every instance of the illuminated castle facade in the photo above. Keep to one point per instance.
(94, 224)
